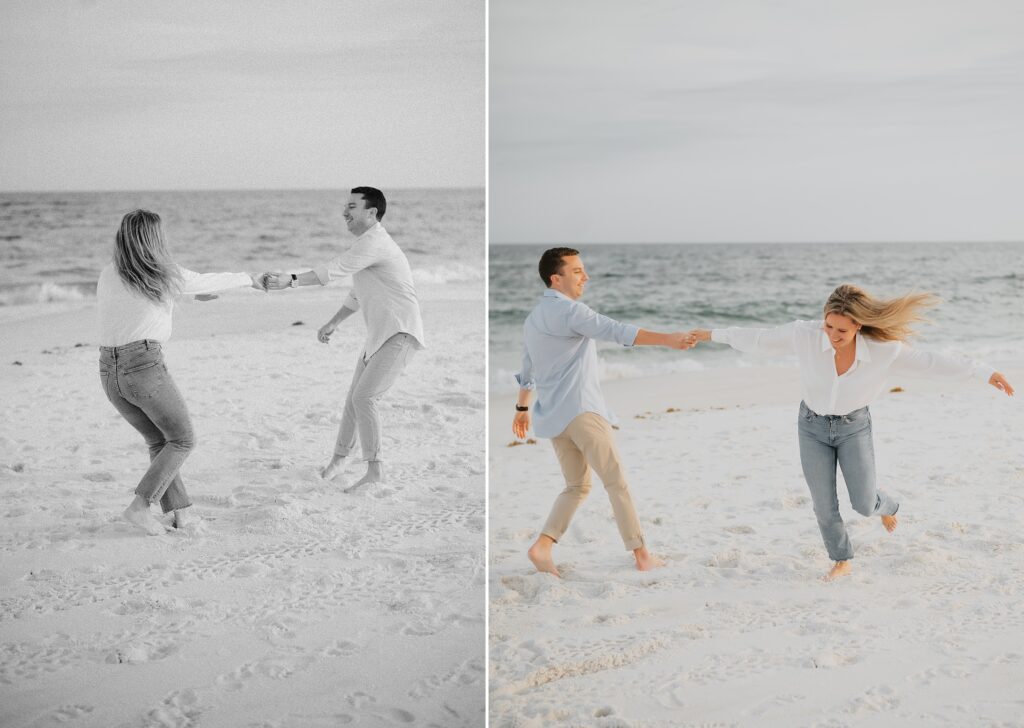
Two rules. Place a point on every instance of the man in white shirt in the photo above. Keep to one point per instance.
(382, 287)
(560, 364)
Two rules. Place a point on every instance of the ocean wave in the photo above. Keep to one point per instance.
(47, 293)
(447, 273)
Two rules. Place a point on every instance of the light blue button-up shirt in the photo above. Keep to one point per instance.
(560, 360)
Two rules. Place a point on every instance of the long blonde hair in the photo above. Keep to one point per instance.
(882, 320)
(142, 259)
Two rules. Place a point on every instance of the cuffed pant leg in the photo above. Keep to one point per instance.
(346, 440)
(577, 486)
(593, 436)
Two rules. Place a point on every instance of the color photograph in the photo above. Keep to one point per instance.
(754, 453)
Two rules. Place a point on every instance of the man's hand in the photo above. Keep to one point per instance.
(998, 381)
(259, 281)
(276, 281)
(324, 334)
(520, 424)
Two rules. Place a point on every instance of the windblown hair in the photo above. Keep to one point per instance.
(882, 320)
(551, 263)
(142, 259)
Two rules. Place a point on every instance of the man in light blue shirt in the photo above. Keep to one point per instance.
(560, 364)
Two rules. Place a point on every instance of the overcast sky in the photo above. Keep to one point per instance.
(112, 94)
(756, 120)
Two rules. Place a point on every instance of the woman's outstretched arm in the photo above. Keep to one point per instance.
(940, 366)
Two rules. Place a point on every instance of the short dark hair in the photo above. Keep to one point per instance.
(373, 198)
(551, 262)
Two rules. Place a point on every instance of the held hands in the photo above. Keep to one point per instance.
(998, 381)
(520, 424)
(274, 281)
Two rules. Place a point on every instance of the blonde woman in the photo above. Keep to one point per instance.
(135, 296)
(844, 361)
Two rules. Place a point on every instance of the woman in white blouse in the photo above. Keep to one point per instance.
(135, 297)
(844, 362)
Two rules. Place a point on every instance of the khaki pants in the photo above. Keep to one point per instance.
(588, 443)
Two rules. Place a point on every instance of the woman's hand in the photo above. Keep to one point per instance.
(699, 335)
(998, 381)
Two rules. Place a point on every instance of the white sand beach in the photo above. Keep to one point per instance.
(738, 630)
(293, 604)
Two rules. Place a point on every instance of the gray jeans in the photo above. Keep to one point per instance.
(137, 383)
(846, 439)
(372, 379)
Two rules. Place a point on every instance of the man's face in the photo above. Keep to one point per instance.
(572, 278)
(358, 218)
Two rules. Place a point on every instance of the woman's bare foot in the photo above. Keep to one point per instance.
(139, 515)
(889, 522)
(841, 568)
(645, 560)
(540, 555)
(333, 468)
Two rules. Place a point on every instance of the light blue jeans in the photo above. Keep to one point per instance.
(138, 384)
(844, 439)
(372, 379)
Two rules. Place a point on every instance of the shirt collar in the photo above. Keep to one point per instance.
(552, 293)
(372, 230)
(861, 353)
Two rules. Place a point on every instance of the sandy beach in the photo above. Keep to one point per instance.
(293, 603)
(738, 630)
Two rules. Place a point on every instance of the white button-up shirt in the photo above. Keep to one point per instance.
(382, 287)
(125, 315)
(828, 393)
(560, 360)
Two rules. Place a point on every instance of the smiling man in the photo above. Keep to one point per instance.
(560, 365)
(382, 287)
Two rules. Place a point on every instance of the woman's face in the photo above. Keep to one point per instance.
(841, 330)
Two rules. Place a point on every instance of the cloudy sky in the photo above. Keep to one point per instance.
(756, 120)
(112, 94)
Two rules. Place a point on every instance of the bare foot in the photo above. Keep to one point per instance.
(333, 468)
(374, 474)
(889, 522)
(841, 568)
(138, 514)
(645, 560)
(540, 555)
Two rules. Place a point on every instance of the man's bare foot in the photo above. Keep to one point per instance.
(889, 522)
(333, 468)
(374, 474)
(841, 568)
(645, 560)
(139, 515)
(540, 555)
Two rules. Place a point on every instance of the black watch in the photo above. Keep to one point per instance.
(520, 408)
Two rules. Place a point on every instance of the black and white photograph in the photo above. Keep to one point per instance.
(242, 317)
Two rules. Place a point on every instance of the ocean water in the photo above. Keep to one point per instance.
(678, 287)
(53, 245)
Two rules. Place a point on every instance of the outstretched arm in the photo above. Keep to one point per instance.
(674, 340)
(939, 366)
(780, 340)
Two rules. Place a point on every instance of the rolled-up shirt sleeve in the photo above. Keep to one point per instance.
(525, 375)
(193, 283)
(584, 321)
(780, 340)
(938, 366)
